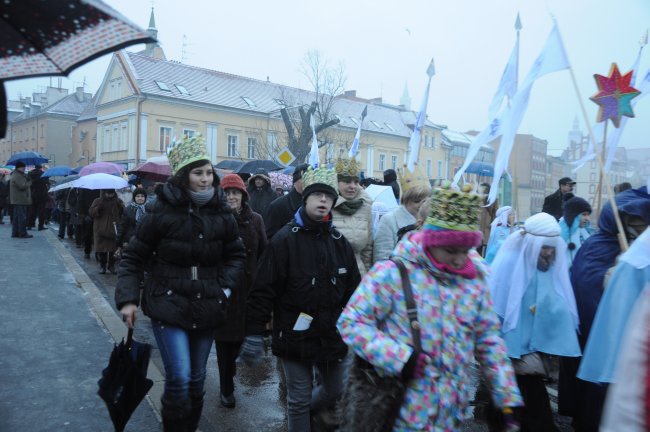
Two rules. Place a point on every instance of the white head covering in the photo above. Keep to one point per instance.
(516, 263)
(638, 255)
(501, 217)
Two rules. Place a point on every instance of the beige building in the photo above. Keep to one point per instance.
(45, 125)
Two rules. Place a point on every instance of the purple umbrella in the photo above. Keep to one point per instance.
(101, 167)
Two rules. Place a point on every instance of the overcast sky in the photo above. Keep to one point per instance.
(385, 44)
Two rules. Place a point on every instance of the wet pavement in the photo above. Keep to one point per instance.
(259, 404)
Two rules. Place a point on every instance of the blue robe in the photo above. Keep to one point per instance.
(498, 235)
(607, 331)
(549, 329)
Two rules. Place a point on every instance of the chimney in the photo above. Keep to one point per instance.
(350, 93)
(80, 94)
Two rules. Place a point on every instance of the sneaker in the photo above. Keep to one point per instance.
(228, 401)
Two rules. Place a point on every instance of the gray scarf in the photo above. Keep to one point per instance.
(201, 198)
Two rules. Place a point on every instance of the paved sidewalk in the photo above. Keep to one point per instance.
(56, 335)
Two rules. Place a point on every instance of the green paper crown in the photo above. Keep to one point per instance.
(454, 209)
(347, 168)
(322, 175)
(183, 153)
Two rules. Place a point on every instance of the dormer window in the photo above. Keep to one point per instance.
(182, 90)
(377, 125)
(249, 101)
(162, 86)
(355, 121)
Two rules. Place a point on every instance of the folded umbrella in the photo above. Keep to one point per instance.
(124, 381)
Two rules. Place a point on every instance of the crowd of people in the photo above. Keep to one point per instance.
(224, 261)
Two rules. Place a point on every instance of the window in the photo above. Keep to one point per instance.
(382, 162)
(329, 153)
(164, 138)
(592, 176)
(42, 131)
(189, 133)
(124, 139)
(182, 90)
(440, 169)
(432, 142)
(162, 86)
(233, 140)
(272, 140)
(377, 125)
(592, 164)
(592, 189)
(115, 142)
(252, 148)
(389, 126)
(353, 120)
(426, 141)
(393, 161)
(280, 102)
(107, 138)
(249, 101)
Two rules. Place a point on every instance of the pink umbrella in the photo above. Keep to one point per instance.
(152, 171)
(101, 167)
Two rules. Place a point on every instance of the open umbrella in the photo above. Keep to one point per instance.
(254, 165)
(229, 164)
(382, 194)
(66, 183)
(101, 167)
(52, 38)
(5, 171)
(60, 171)
(124, 382)
(482, 169)
(100, 181)
(28, 158)
(152, 171)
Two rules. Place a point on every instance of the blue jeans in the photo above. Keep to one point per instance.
(19, 220)
(185, 355)
(303, 397)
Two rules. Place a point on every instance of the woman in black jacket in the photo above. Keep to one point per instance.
(189, 243)
(228, 338)
(132, 215)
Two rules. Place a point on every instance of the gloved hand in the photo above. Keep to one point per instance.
(510, 422)
(252, 350)
(415, 366)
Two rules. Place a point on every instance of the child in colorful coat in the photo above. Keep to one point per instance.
(457, 322)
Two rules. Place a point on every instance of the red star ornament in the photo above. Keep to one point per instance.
(614, 95)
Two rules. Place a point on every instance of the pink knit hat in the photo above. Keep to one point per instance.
(233, 181)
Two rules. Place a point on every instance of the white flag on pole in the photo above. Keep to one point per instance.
(354, 149)
(314, 156)
(508, 84)
(553, 58)
(414, 142)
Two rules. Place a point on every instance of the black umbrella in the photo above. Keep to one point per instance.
(41, 38)
(227, 164)
(254, 165)
(124, 382)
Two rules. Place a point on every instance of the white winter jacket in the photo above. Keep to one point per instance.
(357, 229)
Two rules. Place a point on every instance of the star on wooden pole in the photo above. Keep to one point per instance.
(614, 95)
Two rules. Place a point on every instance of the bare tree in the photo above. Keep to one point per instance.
(327, 83)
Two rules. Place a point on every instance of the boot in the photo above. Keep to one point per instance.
(175, 417)
(195, 413)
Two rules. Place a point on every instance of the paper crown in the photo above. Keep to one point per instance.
(319, 176)
(453, 209)
(408, 179)
(347, 167)
(184, 152)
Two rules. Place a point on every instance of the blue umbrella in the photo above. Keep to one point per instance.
(481, 168)
(289, 170)
(60, 171)
(28, 158)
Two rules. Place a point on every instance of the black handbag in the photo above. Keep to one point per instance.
(371, 403)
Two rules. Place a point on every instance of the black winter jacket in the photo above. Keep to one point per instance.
(191, 253)
(126, 229)
(281, 211)
(307, 267)
(553, 204)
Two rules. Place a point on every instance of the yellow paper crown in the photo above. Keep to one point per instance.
(457, 210)
(408, 179)
(184, 152)
(321, 175)
(347, 167)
